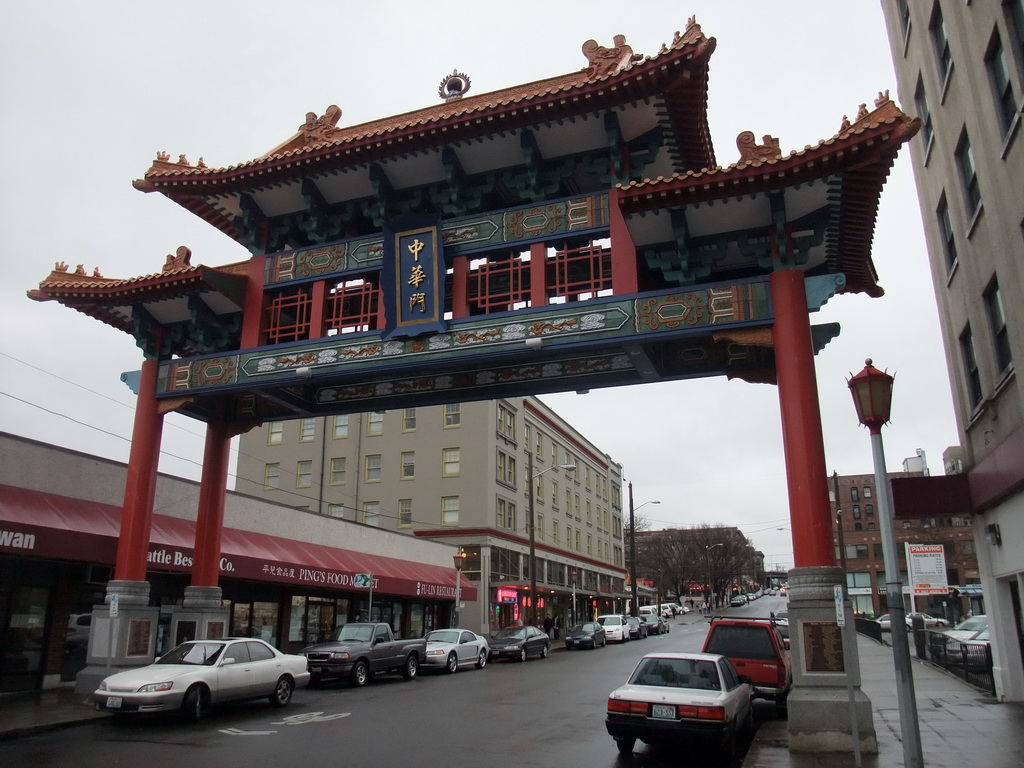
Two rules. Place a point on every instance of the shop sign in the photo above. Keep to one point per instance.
(507, 595)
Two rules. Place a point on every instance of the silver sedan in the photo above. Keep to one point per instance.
(449, 649)
(199, 673)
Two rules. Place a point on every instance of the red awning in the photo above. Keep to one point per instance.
(38, 524)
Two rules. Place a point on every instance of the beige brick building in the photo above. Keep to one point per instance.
(459, 473)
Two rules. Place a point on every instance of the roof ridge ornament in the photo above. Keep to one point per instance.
(454, 86)
(318, 130)
(179, 260)
(752, 152)
(608, 61)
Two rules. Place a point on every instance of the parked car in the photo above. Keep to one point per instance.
(672, 698)
(76, 642)
(967, 628)
(885, 624)
(449, 649)
(519, 643)
(649, 610)
(656, 625)
(930, 622)
(359, 650)
(637, 628)
(588, 634)
(737, 601)
(615, 627)
(200, 673)
(757, 649)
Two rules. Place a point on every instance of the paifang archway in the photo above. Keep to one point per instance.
(566, 234)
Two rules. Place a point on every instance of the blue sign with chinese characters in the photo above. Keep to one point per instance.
(413, 277)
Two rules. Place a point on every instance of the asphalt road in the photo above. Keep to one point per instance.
(546, 712)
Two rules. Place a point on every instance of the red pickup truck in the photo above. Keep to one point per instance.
(757, 649)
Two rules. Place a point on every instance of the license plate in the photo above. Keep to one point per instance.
(663, 711)
(113, 702)
(316, 669)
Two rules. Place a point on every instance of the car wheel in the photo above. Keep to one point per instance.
(411, 667)
(481, 660)
(194, 704)
(748, 723)
(544, 651)
(625, 745)
(282, 695)
(522, 654)
(360, 674)
(782, 708)
(315, 678)
(453, 663)
(604, 641)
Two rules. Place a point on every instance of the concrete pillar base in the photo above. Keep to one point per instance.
(202, 616)
(826, 668)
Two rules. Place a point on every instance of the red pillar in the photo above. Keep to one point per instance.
(212, 492)
(624, 277)
(810, 515)
(538, 275)
(140, 485)
(252, 312)
(460, 286)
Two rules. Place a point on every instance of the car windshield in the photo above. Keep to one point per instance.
(739, 642)
(609, 621)
(677, 673)
(587, 627)
(511, 633)
(443, 636)
(358, 633)
(974, 624)
(193, 653)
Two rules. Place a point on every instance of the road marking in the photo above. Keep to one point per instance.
(240, 732)
(310, 717)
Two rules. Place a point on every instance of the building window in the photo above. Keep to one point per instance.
(275, 432)
(554, 452)
(1015, 21)
(506, 514)
(867, 491)
(450, 462)
(869, 510)
(408, 465)
(577, 539)
(856, 512)
(858, 527)
(375, 423)
(307, 430)
(338, 471)
(999, 75)
(946, 228)
(587, 478)
(924, 114)
(506, 422)
(854, 494)
(554, 494)
(590, 544)
(904, 10)
(404, 513)
(554, 531)
(506, 469)
(940, 42)
(452, 415)
(371, 512)
(373, 467)
(576, 506)
(272, 476)
(997, 324)
(968, 174)
(449, 510)
(304, 474)
(967, 547)
(336, 510)
(971, 372)
(540, 526)
(409, 420)
(590, 514)
(340, 428)
(540, 445)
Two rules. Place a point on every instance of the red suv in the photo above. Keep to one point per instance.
(756, 648)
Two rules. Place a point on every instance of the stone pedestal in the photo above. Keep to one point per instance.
(123, 633)
(826, 669)
(202, 616)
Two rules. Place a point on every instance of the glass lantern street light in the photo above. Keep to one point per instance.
(872, 397)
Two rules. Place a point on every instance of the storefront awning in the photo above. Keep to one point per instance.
(38, 524)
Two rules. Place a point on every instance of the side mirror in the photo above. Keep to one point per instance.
(746, 679)
(227, 661)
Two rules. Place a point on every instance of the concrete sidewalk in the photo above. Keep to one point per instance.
(960, 725)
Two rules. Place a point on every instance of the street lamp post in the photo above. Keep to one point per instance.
(711, 593)
(573, 612)
(632, 549)
(533, 533)
(458, 557)
(839, 522)
(872, 397)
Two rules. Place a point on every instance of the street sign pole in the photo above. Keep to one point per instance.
(845, 635)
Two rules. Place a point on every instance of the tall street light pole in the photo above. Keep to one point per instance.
(632, 549)
(839, 521)
(711, 589)
(872, 397)
(533, 533)
(458, 558)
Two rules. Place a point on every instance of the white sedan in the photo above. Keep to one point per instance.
(672, 698)
(199, 673)
(449, 649)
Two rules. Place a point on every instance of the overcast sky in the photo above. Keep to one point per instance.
(90, 92)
